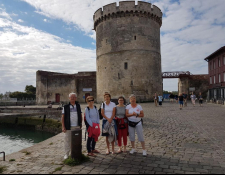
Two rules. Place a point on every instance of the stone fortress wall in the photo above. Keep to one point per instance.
(128, 50)
(50, 84)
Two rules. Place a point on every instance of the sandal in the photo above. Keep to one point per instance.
(107, 153)
(96, 151)
(91, 155)
(119, 152)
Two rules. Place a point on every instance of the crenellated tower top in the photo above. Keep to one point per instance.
(128, 8)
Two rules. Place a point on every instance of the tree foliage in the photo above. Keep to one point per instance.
(30, 93)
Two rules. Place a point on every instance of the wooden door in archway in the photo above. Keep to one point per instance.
(57, 98)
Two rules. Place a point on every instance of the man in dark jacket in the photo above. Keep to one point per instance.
(71, 120)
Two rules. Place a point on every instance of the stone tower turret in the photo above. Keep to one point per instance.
(128, 50)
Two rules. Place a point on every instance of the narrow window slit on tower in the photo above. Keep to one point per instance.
(118, 75)
(126, 66)
(135, 37)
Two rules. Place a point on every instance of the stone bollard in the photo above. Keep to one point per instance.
(76, 144)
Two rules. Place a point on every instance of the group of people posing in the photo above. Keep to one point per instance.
(119, 122)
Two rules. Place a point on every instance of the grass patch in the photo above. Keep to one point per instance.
(51, 144)
(75, 162)
(2, 169)
(27, 153)
(58, 169)
(12, 160)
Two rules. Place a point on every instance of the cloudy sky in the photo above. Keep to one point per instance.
(57, 36)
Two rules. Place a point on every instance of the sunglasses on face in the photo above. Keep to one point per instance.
(90, 100)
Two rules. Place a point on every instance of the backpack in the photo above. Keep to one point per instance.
(100, 111)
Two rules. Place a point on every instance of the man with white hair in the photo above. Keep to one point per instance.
(71, 120)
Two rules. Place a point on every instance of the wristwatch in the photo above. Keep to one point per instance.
(137, 115)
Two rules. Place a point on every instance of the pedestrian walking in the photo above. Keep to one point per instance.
(185, 99)
(160, 99)
(181, 101)
(93, 127)
(122, 124)
(135, 113)
(108, 111)
(200, 99)
(171, 98)
(71, 120)
(193, 99)
(156, 99)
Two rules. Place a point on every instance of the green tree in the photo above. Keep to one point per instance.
(1, 96)
(30, 93)
(30, 90)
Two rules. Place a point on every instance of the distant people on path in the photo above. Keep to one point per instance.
(171, 98)
(71, 120)
(122, 124)
(200, 99)
(108, 111)
(160, 99)
(134, 113)
(185, 99)
(92, 123)
(181, 101)
(193, 99)
(156, 99)
(176, 98)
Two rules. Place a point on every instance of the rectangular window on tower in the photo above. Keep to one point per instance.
(125, 66)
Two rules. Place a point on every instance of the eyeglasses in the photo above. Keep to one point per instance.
(121, 100)
(91, 100)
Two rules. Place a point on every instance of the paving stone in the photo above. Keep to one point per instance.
(177, 142)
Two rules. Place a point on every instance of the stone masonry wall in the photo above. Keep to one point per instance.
(128, 50)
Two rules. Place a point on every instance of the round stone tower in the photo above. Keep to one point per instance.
(128, 50)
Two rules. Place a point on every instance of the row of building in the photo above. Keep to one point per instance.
(216, 69)
(54, 87)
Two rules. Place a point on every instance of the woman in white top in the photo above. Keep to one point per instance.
(134, 113)
(108, 112)
(193, 98)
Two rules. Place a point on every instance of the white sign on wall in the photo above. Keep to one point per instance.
(192, 89)
(87, 89)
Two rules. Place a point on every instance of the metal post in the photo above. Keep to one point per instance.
(3, 155)
(76, 144)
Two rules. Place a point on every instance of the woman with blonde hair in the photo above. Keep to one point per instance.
(135, 113)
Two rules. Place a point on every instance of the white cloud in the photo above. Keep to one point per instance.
(191, 29)
(24, 50)
(20, 20)
(47, 21)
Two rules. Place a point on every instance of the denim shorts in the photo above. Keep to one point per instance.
(181, 102)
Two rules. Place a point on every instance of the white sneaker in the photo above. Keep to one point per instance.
(66, 157)
(145, 153)
(133, 151)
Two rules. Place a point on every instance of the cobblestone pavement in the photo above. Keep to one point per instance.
(178, 142)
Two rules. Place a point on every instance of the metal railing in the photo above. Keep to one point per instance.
(3, 155)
